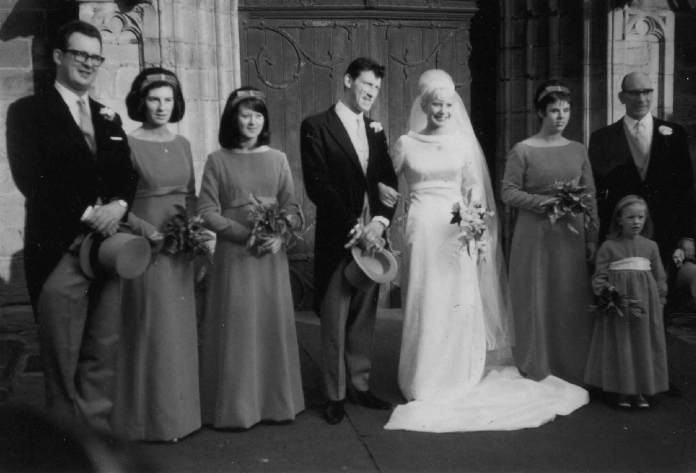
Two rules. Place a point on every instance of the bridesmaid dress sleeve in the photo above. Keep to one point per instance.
(658, 271)
(587, 180)
(600, 279)
(139, 226)
(210, 210)
(286, 190)
(191, 188)
(513, 193)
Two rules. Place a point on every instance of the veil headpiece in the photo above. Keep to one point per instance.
(492, 274)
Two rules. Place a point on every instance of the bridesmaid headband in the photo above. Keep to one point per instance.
(246, 94)
(152, 78)
(553, 88)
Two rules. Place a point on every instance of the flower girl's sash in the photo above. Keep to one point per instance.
(634, 263)
(159, 191)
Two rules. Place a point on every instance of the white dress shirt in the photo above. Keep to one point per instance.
(640, 151)
(350, 121)
(70, 98)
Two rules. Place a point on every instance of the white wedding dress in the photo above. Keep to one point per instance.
(442, 367)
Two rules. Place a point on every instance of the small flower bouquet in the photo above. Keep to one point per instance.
(611, 303)
(471, 219)
(269, 221)
(568, 197)
(185, 234)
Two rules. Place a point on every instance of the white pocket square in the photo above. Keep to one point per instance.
(116, 138)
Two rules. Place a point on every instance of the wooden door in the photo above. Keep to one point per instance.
(298, 57)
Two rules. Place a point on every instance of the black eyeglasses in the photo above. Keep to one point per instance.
(82, 57)
(638, 93)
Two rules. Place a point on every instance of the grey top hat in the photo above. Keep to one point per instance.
(368, 268)
(123, 254)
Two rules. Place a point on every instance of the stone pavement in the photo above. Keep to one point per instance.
(594, 438)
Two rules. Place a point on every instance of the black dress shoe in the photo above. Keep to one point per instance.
(334, 412)
(367, 399)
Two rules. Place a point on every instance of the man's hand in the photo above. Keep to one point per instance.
(368, 237)
(388, 195)
(105, 219)
(688, 247)
(678, 257)
(371, 238)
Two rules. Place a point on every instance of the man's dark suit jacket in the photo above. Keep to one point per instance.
(60, 177)
(668, 187)
(335, 182)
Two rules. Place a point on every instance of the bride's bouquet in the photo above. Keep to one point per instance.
(611, 303)
(471, 218)
(269, 221)
(184, 234)
(568, 197)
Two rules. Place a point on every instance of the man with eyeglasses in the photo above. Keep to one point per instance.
(643, 155)
(68, 153)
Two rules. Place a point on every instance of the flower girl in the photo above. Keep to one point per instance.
(628, 356)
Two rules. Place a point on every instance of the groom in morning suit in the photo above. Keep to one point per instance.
(67, 153)
(345, 157)
(643, 155)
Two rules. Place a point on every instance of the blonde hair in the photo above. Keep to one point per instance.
(616, 231)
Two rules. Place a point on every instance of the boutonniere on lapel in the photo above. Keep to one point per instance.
(665, 130)
(376, 127)
(107, 114)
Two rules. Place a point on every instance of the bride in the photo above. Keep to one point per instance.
(457, 329)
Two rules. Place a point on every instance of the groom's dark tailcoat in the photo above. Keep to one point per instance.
(59, 176)
(668, 187)
(336, 184)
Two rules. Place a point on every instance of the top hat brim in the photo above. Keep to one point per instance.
(379, 267)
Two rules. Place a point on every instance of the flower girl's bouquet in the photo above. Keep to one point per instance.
(567, 197)
(611, 303)
(269, 221)
(184, 234)
(471, 218)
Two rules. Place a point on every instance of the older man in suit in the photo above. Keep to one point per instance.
(643, 155)
(344, 159)
(68, 153)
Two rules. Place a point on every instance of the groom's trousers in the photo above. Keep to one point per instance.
(347, 331)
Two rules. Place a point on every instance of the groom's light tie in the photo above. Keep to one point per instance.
(363, 147)
(86, 125)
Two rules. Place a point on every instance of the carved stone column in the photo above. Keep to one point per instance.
(195, 39)
(641, 38)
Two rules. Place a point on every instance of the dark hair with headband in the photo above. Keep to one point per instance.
(549, 92)
(251, 98)
(154, 78)
(615, 230)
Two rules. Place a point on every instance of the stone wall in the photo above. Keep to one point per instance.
(194, 38)
(684, 110)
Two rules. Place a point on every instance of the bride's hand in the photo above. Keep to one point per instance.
(388, 195)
